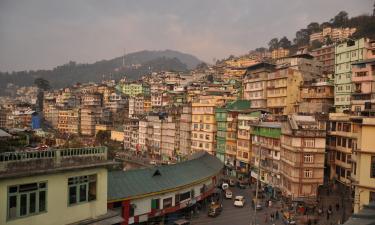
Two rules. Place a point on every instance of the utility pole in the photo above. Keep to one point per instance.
(257, 187)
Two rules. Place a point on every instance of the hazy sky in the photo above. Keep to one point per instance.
(37, 34)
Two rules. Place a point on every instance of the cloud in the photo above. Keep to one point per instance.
(37, 34)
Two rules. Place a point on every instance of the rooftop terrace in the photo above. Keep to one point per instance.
(18, 164)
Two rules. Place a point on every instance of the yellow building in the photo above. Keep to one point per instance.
(55, 187)
(204, 123)
(279, 53)
(363, 160)
(69, 121)
(283, 91)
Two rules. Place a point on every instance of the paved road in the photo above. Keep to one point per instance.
(236, 216)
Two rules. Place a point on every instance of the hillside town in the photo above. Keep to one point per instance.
(289, 132)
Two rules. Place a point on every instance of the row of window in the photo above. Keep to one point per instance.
(30, 199)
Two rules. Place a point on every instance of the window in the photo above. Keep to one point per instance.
(207, 126)
(372, 172)
(308, 158)
(82, 189)
(184, 196)
(155, 203)
(167, 202)
(308, 173)
(26, 199)
(372, 196)
(308, 142)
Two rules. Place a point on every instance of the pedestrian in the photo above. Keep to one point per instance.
(337, 206)
(327, 214)
(277, 215)
(266, 218)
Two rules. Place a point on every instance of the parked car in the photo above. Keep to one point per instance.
(215, 209)
(153, 162)
(239, 201)
(228, 194)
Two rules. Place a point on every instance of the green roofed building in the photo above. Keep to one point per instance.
(146, 194)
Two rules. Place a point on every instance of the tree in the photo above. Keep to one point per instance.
(302, 37)
(316, 44)
(261, 49)
(328, 40)
(201, 66)
(313, 27)
(284, 43)
(340, 20)
(42, 83)
(273, 44)
(324, 25)
(102, 137)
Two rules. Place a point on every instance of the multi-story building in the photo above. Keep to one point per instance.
(326, 55)
(255, 83)
(363, 162)
(283, 91)
(302, 156)
(89, 117)
(169, 133)
(69, 121)
(345, 54)
(316, 96)
(305, 63)
(341, 140)
(94, 100)
(131, 134)
(38, 187)
(265, 138)
(136, 105)
(335, 34)
(134, 89)
(142, 134)
(244, 143)
(204, 124)
(226, 136)
(363, 79)
(279, 53)
(185, 131)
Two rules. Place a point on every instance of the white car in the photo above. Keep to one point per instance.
(225, 186)
(228, 194)
(239, 201)
(153, 162)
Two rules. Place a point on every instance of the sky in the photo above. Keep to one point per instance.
(42, 34)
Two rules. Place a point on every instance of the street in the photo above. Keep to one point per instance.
(237, 216)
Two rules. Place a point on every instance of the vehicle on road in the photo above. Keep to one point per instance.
(224, 186)
(181, 222)
(258, 203)
(239, 201)
(215, 209)
(228, 194)
(153, 162)
(242, 184)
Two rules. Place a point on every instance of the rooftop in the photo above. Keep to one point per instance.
(365, 217)
(28, 163)
(137, 183)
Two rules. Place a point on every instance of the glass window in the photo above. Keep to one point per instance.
(26, 199)
(82, 189)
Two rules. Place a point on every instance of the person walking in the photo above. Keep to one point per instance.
(277, 215)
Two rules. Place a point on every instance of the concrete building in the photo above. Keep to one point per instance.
(326, 55)
(69, 121)
(37, 188)
(363, 79)
(185, 131)
(131, 134)
(89, 117)
(341, 139)
(165, 190)
(335, 34)
(283, 91)
(279, 53)
(316, 96)
(302, 157)
(363, 163)
(94, 100)
(265, 138)
(136, 106)
(255, 84)
(135, 89)
(347, 53)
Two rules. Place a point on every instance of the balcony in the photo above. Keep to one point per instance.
(41, 162)
(317, 95)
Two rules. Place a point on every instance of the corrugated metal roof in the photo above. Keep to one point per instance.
(133, 183)
(4, 134)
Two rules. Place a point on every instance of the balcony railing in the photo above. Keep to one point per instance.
(11, 162)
